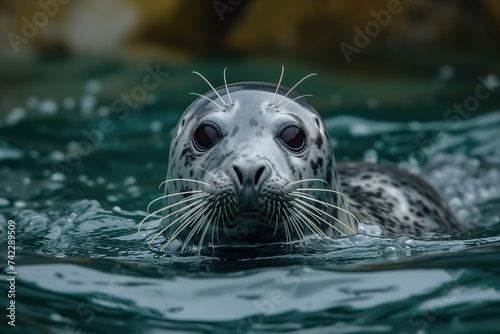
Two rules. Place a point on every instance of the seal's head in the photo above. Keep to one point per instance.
(250, 164)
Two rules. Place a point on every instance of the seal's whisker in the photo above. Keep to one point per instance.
(209, 99)
(217, 224)
(182, 226)
(176, 213)
(190, 198)
(294, 222)
(284, 97)
(309, 224)
(206, 170)
(225, 155)
(327, 214)
(207, 225)
(211, 87)
(327, 190)
(316, 226)
(327, 204)
(188, 180)
(298, 97)
(290, 171)
(288, 238)
(170, 195)
(198, 223)
(175, 221)
(228, 219)
(227, 89)
(320, 218)
(279, 83)
(306, 180)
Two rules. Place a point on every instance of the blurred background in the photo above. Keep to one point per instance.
(67, 66)
(425, 56)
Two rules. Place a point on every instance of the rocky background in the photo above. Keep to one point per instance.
(351, 43)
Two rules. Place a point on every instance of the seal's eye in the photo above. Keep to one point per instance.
(205, 136)
(294, 138)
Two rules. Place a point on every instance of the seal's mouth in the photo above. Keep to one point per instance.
(252, 215)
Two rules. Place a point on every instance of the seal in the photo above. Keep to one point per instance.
(252, 164)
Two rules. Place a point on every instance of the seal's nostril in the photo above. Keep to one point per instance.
(258, 174)
(238, 174)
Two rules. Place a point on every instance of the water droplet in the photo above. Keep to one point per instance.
(130, 180)
(15, 116)
(57, 156)
(112, 198)
(391, 253)
(82, 178)
(32, 102)
(446, 72)
(93, 86)
(156, 126)
(358, 129)
(57, 177)
(48, 107)
(87, 103)
(20, 204)
(69, 103)
(370, 156)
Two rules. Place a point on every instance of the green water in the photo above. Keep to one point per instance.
(82, 266)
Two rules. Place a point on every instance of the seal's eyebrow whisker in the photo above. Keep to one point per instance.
(211, 87)
(279, 83)
(304, 78)
(206, 98)
(227, 89)
(298, 97)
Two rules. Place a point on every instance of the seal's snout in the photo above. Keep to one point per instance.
(248, 178)
(249, 175)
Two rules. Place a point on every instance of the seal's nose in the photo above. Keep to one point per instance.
(249, 175)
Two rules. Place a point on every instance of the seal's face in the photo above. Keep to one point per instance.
(243, 171)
